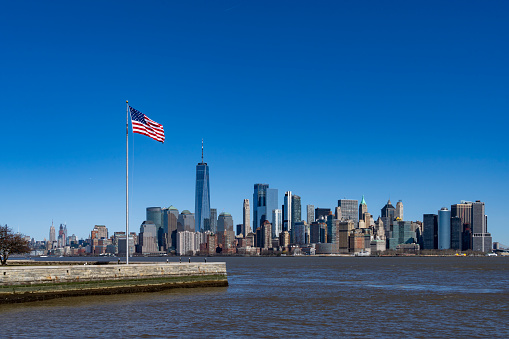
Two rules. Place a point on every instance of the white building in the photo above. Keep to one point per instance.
(188, 243)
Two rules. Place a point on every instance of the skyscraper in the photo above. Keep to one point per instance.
(349, 210)
(444, 229)
(246, 224)
(430, 231)
(265, 200)
(363, 208)
(474, 221)
(155, 215)
(213, 220)
(456, 233)
(338, 214)
(287, 211)
(277, 217)
(202, 197)
(296, 209)
(399, 210)
(225, 222)
(388, 213)
(186, 221)
(310, 214)
(170, 217)
(481, 239)
(52, 233)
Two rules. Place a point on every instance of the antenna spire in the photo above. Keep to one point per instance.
(202, 150)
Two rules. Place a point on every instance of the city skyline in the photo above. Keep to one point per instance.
(395, 80)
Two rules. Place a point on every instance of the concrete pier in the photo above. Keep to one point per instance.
(29, 283)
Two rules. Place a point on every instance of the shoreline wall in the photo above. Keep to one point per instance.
(30, 275)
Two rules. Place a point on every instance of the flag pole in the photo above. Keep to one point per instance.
(127, 184)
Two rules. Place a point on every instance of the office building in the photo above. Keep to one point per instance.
(349, 209)
(403, 233)
(188, 243)
(185, 221)
(266, 234)
(481, 239)
(224, 222)
(287, 211)
(344, 230)
(300, 232)
(388, 214)
(170, 218)
(363, 208)
(444, 229)
(154, 214)
(399, 210)
(62, 236)
(52, 237)
(310, 214)
(277, 226)
(246, 221)
(147, 239)
(456, 233)
(464, 212)
(213, 220)
(321, 213)
(338, 214)
(430, 231)
(296, 209)
(318, 232)
(101, 232)
(202, 197)
(265, 200)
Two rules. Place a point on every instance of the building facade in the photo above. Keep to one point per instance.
(430, 231)
(399, 210)
(277, 225)
(246, 220)
(444, 229)
(224, 222)
(349, 210)
(310, 214)
(265, 200)
(202, 196)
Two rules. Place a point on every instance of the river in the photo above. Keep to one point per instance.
(386, 297)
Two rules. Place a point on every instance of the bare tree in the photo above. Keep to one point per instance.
(11, 243)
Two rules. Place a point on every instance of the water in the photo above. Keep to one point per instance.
(301, 296)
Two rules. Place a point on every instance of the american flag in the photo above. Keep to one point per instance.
(143, 125)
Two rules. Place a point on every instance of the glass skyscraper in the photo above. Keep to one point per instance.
(202, 197)
(265, 200)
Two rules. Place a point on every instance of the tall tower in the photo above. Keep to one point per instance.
(444, 229)
(287, 212)
(310, 214)
(277, 225)
(202, 197)
(52, 233)
(388, 213)
(399, 210)
(296, 210)
(265, 200)
(246, 225)
(363, 208)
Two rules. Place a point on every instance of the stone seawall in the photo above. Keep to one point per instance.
(28, 283)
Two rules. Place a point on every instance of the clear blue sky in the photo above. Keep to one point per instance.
(328, 99)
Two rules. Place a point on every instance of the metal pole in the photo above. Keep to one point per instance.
(127, 184)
